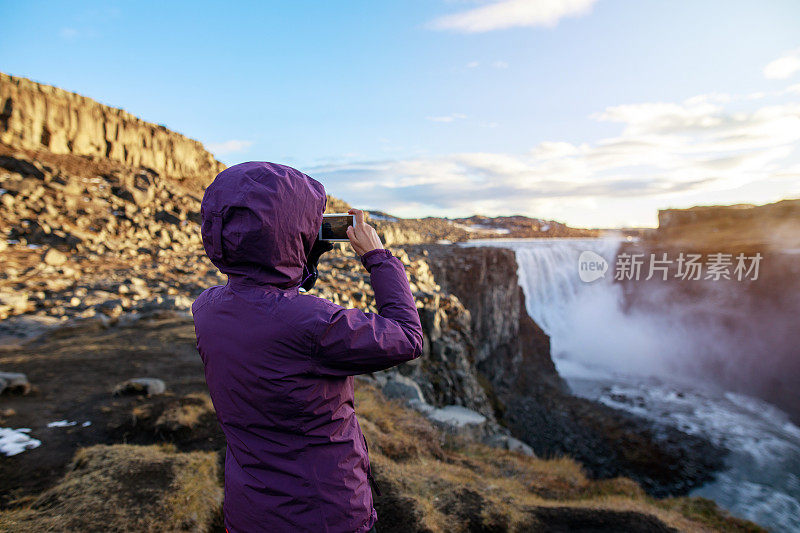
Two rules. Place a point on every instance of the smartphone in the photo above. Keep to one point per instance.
(334, 227)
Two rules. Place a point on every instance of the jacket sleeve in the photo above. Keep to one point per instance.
(353, 342)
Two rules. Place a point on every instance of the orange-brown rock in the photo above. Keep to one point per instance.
(37, 116)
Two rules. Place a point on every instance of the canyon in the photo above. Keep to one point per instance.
(102, 258)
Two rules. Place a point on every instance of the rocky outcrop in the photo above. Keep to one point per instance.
(672, 218)
(510, 348)
(37, 116)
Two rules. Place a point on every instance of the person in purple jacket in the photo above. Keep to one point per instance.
(279, 364)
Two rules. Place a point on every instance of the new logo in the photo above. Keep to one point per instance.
(591, 266)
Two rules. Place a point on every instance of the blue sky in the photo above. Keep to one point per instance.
(593, 112)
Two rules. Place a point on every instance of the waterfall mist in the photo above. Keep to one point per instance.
(588, 324)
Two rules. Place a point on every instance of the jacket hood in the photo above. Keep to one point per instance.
(259, 221)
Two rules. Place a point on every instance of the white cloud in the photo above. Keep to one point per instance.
(473, 64)
(784, 67)
(228, 147)
(513, 13)
(447, 118)
(703, 147)
(500, 64)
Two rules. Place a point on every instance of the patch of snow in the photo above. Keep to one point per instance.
(14, 441)
(482, 228)
(60, 424)
(67, 423)
(545, 227)
(444, 241)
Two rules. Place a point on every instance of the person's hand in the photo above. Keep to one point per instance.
(363, 237)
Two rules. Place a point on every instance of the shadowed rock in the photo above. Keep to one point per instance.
(148, 386)
(14, 382)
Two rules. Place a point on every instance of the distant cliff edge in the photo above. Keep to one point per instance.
(36, 116)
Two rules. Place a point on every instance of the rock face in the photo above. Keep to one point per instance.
(37, 116)
(510, 349)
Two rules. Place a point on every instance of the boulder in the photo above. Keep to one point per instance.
(148, 386)
(459, 420)
(54, 258)
(400, 387)
(14, 382)
(111, 308)
(13, 303)
(507, 442)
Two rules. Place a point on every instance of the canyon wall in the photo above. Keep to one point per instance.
(36, 116)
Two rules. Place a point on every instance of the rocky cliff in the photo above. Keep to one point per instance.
(510, 348)
(775, 225)
(37, 116)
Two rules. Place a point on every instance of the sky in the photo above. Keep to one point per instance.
(596, 113)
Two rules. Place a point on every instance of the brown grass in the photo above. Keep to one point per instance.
(447, 484)
(126, 488)
(186, 414)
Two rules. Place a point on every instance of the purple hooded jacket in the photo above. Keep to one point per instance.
(279, 363)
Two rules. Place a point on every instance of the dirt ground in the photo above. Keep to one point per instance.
(73, 373)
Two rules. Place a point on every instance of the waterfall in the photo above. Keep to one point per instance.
(589, 330)
(548, 275)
